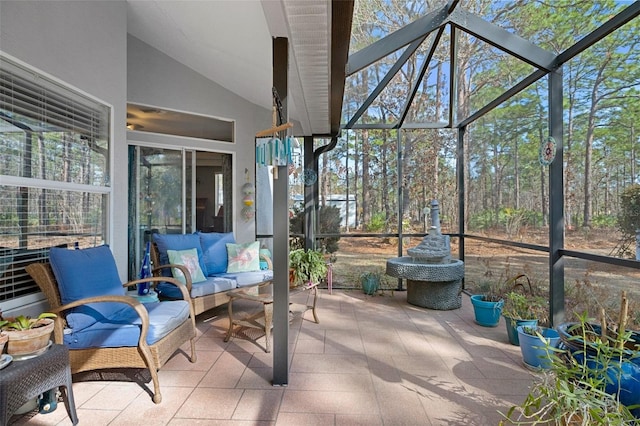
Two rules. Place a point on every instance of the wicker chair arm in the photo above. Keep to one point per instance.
(186, 296)
(128, 300)
(155, 280)
(182, 268)
(268, 260)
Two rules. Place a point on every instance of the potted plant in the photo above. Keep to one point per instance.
(536, 345)
(26, 335)
(521, 307)
(615, 351)
(487, 305)
(574, 391)
(371, 280)
(306, 266)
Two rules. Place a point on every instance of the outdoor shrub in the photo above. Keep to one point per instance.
(377, 222)
(330, 221)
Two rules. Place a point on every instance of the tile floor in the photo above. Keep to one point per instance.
(372, 360)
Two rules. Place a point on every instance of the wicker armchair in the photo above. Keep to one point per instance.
(150, 356)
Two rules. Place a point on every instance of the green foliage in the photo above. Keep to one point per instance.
(573, 391)
(506, 218)
(308, 266)
(377, 222)
(629, 215)
(22, 322)
(330, 219)
(521, 306)
(604, 221)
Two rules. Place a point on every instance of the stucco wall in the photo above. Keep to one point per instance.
(156, 79)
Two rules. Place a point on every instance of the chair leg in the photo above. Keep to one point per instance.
(145, 352)
(194, 356)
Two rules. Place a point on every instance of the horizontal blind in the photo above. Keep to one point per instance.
(24, 94)
(51, 136)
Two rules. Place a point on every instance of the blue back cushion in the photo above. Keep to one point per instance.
(214, 248)
(178, 242)
(86, 273)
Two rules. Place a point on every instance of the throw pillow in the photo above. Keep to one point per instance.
(177, 242)
(243, 257)
(188, 258)
(214, 248)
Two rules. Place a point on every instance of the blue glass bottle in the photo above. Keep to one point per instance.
(145, 271)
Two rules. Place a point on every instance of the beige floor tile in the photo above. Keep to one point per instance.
(210, 403)
(331, 382)
(143, 411)
(331, 363)
(259, 405)
(116, 396)
(370, 361)
(358, 420)
(305, 419)
(328, 402)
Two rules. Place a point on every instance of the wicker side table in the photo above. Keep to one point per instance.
(23, 380)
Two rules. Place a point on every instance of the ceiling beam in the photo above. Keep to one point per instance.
(523, 84)
(396, 40)
(418, 80)
(341, 20)
(385, 80)
(599, 33)
(503, 40)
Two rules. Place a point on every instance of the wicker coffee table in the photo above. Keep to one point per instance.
(263, 320)
(21, 381)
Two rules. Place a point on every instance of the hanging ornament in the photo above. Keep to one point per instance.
(310, 177)
(248, 189)
(547, 151)
(247, 200)
(248, 213)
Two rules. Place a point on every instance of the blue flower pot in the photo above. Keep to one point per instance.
(512, 325)
(625, 376)
(370, 285)
(535, 353)
(487, 313)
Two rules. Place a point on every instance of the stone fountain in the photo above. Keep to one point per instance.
(434, 280)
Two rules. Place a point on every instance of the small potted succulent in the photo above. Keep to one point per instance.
(371, 280)
(26, 335)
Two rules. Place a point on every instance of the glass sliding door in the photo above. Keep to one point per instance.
(157, 200)
(174, 191)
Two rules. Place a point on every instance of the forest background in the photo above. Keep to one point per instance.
(507, 188)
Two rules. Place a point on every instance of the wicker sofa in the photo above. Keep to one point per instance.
(104, 328)
(215, 262)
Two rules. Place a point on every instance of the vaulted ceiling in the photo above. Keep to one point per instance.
(230, 42)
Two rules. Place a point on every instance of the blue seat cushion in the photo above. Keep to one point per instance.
(210, 286)
(178, 242)
(214, 247)
(123, 329)
(244, 279)
(87, 273)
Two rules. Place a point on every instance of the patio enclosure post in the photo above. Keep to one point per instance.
(556, 202)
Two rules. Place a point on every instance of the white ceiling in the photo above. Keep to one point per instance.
(230, 42)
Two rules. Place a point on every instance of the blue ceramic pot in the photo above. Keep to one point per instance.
(487, 313)
(625, 375)
(370, 285)
(512, 325)
(535, 353)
